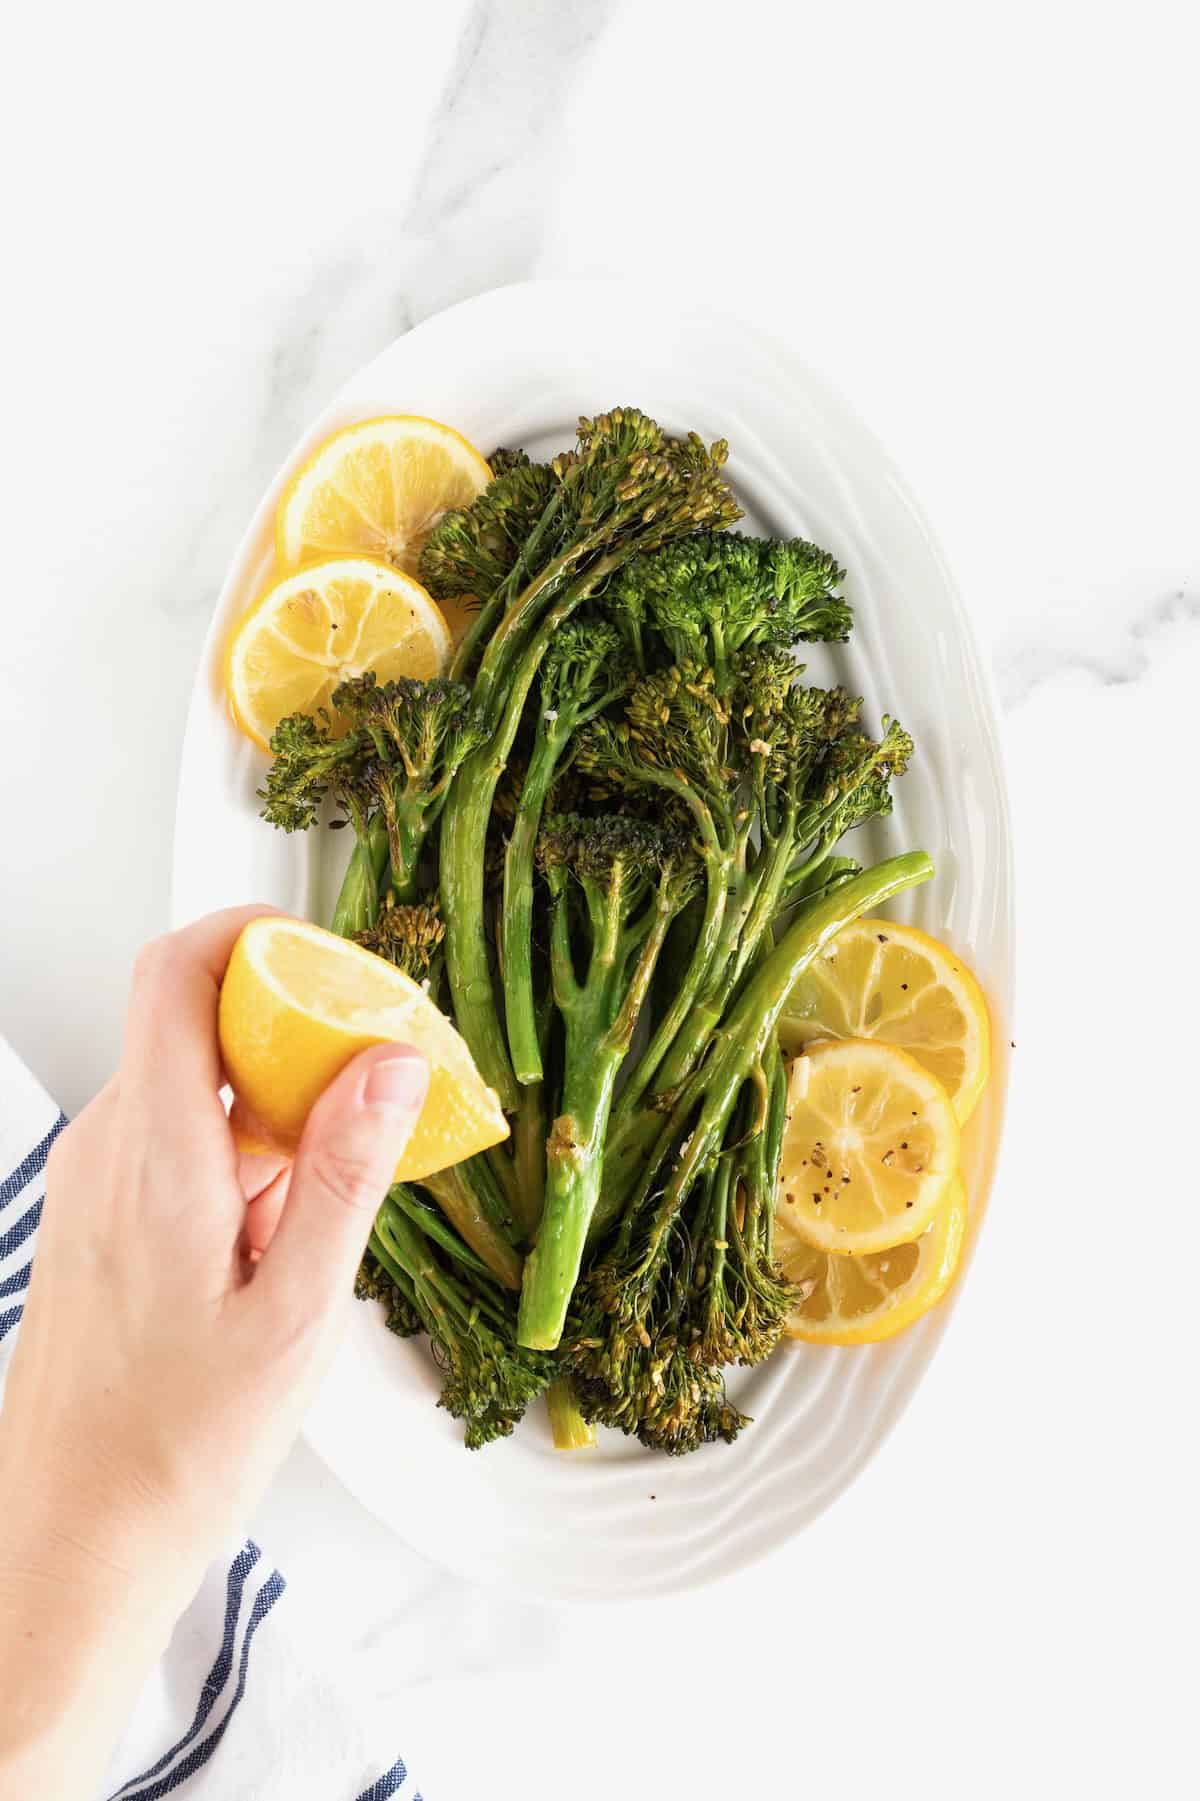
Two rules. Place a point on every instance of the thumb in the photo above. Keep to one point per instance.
(351, 1144)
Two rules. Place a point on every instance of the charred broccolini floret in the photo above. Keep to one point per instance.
(716, 594)
(626, 487)
(373, 1283)
(488, 1379)
(386, 755)
(409, 937)
(414, 737)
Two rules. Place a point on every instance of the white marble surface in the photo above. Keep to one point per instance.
(980, 223)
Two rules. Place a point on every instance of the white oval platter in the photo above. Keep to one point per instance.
(517, 366)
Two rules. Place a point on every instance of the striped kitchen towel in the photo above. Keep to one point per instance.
(240, 1707)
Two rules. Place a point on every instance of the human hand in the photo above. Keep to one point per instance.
(183, 1304)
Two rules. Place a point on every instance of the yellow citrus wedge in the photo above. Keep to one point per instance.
(297, 1003)
(377, 489)
(859, 1300)
(869, 1149)
(892, 982)
(329, 621)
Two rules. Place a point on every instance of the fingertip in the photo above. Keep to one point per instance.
(395, 1080)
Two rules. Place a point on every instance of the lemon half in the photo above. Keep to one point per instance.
(297, 1003)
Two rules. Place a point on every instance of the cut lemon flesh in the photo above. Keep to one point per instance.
(377, 489)
(860, 1300)
(869, 1149)
(895, 983)
(329, 621)
(297, 1003)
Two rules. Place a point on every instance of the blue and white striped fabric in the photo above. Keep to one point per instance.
(235, 1709)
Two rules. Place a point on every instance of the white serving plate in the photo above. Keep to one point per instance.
(518, 366)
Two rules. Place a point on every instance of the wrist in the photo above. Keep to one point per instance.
(84, 1531)
(89, 1595)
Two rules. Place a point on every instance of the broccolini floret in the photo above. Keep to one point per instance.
(715, 594)
(488, 1379)
(626, 487)
(385, 754)
(410, 938)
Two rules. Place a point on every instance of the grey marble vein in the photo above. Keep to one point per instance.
(473, 218)
(1132, 649)
(481, 198)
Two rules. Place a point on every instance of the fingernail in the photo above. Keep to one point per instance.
(398, 1084)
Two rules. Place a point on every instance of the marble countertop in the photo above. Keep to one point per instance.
(979, 224)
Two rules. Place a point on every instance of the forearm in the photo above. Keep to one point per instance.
(88, 1601)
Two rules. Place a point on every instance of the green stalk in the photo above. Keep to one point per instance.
(404, 1242)
(436, 1228)
(357, 906)
(495, 606)
(406, 826)
(529, 1134)
(464, 833)
(504, 1175)
(661, 1039)
(748, 1033)
(516, 941)
(529, 1157)
(574, 1158)
(700, 1007)
(597, 1039)
(459, 1197)
(552, 735)
(568, 1428)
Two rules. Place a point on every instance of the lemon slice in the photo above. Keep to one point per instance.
(297, 1003)
(895, 983)
(331, 620)
(870, 1146)
(377, 489)
(859, 1300)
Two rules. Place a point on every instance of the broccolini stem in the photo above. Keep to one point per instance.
(807, 884)
(460, 1193)
(464, 833)
(507, 642)
(705, 1004)
(529, 1156)
(593, 1053)
(707, 1000)
(494, 607)
(748, 1032)
(568, 1428)
(665, 1032)
(406, 832)
(574, 1157)
(516, 954)
(435, 1227)
(407, 1240)
(357, 906)
(504, 1175)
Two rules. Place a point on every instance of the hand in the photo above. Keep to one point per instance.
(183, 1304)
